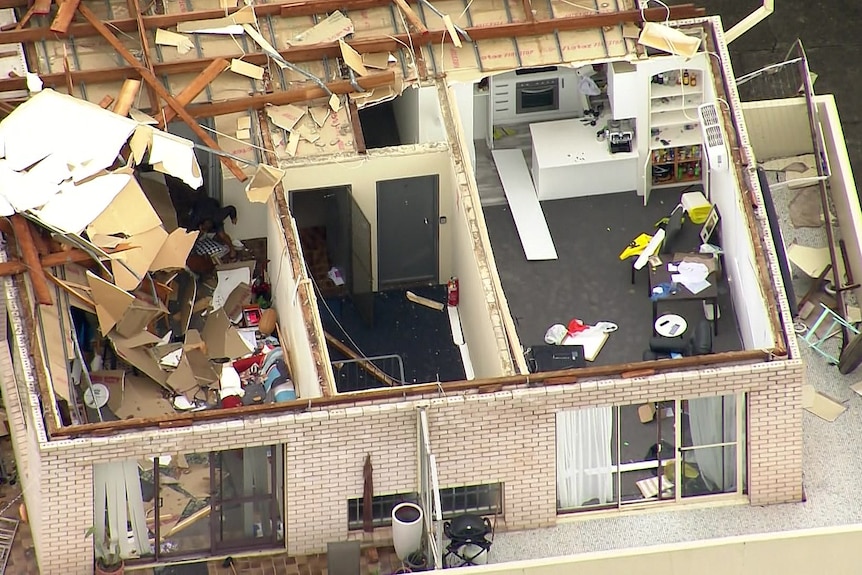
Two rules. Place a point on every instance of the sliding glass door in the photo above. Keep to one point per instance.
(658, 451)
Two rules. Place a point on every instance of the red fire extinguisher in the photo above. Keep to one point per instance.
(452, 291)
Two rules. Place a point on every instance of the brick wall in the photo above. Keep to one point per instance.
(507, 437)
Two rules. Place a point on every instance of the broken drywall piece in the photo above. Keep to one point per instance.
(825, 407)
(450, 27)
(229, 276)
(263, 43)
(238, 298)
(175, 250)
(812, 261)
(141, 117)
(352, 58)
(221, 338)
(308, 134)
(175, 156)
(232, 25)
(111, 301)
(668, 39)
(243, 135)
(138, 316)
(243, 123)
(245, 69)
(285, 117)
(183, 44)
(130, 266)
(319, 114)
(75, 206)
(335, 27)
(129, 213)
(292, 144)
(376, 60)
(140, 142)
(334, 103)
(263, 183)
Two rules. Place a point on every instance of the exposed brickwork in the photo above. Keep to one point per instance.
(508, 437)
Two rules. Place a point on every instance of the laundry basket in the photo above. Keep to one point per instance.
(696, 206)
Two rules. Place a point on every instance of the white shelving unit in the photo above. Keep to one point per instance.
(675, 142)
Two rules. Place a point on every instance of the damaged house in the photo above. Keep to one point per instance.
(515, 254)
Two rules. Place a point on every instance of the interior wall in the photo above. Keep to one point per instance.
(406, 110)
(486, 350)
(739, 262)
(287, 303)
(362, 175)
(431, 127)
(778, 128)
(824, 550)
(464, 99)
(842, 185)
(251, 216)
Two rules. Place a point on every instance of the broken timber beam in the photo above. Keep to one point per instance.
(126, 97)
(582, 22)
(411, 16)
(281, 98)
(148, 58)
(195, 87)
(64, 16)
(30, 255)
(71, 256)
(358, 136)
(42, 7)
(528, 10)
(162, 92)
(372, 369)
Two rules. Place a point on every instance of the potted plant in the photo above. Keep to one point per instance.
(107, 551)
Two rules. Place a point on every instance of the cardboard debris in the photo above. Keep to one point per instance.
(141, 358)
(263, 183)
(142, 398)
(160, 199)
(352, 58)
(137, 317)
(292, 144)
(246, 69)
(243, 128)
(857, 387)
(114, 380)
(319, 114)
(136, 262)
(334, 103)
(70, 212)
(285, 117)
(129, 213)
(335, 27)
(229, 276)
(243, 134)
(812, 261)
(111, 301)
(825, 407)
(221, 338)
(377, 60)
(183, 44)
(175, 250)
(239, 297)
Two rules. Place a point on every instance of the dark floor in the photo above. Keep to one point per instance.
(588, 281)
(379, 127)
(420, 335)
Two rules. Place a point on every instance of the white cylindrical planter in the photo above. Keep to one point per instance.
(406, 529)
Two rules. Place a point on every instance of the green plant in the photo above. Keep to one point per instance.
(107, 551)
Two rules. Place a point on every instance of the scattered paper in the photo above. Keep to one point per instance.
(263, 183)
(692, 275)
(183, 44)
(352, 58)
(245, 69)
(335, 27)
(285, 117)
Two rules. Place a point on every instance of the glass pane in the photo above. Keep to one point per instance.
(709, 420)
(647, 484)
(647, 444)
(184, 499)
(709, 470)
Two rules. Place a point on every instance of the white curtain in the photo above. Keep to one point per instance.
(584, 467)
(118, 500)
(713, 420)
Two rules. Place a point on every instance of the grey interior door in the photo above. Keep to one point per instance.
(360, 280)
(407, 234)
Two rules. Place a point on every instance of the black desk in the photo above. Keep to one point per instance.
(660, 275)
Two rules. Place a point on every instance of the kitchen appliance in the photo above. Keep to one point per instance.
(537, 96)
(621, 135)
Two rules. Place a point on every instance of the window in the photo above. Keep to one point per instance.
(381, 508)
(486, 499)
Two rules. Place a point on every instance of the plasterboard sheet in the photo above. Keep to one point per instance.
(524, 204)
(23, 190)
(825, 407)
(812, 261)
(129, 213)
(334, 27)
(74, 207)
(173, 155)
(137, 261)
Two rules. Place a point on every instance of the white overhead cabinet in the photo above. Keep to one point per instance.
(623, 90)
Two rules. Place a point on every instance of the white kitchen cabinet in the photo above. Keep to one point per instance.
(624, 89)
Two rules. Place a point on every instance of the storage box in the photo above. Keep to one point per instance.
(646, 412)
(696, 206)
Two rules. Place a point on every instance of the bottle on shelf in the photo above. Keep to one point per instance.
(693, 80)
(686, 79)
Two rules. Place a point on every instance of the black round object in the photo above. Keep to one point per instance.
(467, 528)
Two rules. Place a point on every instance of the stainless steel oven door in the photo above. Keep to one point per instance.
(537, 96)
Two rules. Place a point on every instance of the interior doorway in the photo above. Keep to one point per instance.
(336, 243)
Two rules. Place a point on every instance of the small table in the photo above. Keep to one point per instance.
(670, 325)
(661, 275)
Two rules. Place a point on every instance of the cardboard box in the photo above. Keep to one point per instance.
(646, 412)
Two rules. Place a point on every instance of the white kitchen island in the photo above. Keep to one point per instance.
(569, 161)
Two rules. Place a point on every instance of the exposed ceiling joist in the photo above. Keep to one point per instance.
(365, 45)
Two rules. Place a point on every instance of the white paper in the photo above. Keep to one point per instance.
(76, 206)
(227, 281)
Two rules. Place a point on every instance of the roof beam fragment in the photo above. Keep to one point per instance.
(161, 91)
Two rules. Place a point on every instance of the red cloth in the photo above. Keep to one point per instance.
(230, 401)
(576, 326)
(245, 363)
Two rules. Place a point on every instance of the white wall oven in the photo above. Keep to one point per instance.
(535, 95)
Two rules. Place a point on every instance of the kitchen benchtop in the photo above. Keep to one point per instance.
(571, 142)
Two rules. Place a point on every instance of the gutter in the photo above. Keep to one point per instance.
(750, 21)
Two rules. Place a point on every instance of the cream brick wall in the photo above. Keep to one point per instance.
(507, 436)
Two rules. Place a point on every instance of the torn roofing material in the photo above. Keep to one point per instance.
(53, 143)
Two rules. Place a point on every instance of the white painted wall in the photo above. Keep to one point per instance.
(406, 110)
(464, 99)
(287, 298)
(778, 128)
(739, 262)
(251, 217)
(431, 127)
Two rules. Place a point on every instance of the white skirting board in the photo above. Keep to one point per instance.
(524, 204)
(458, 339)
(468, 363)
